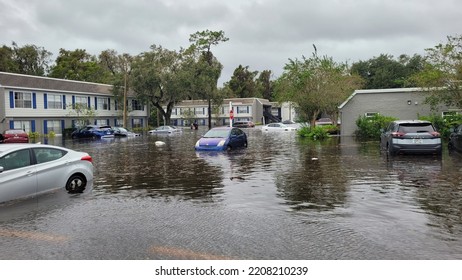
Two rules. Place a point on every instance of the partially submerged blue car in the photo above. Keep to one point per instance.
(94, 131)
(221, 139)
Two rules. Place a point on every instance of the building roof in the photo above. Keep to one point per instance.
(13, 80)
(235, 101)
(378, 91)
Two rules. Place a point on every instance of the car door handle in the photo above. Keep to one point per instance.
(30, 173)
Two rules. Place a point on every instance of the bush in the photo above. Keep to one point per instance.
(371, 127)
(444, 125)
(315, 133)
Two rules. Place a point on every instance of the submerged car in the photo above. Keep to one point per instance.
(165, 129)
(222, 138)
(27, 170)
(278, 127)
(455, 139)
(411, 136)
(123, 132)
(94, 131)
(243, 124)
(14, 136)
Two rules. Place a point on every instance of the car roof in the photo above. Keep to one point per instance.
(222, 128)
(411, 121)
(4, 148)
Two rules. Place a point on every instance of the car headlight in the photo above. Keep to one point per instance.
(197, 143)
(221, 143)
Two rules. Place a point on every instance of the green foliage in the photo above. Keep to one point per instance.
(34, 135)
(314, 133)
(28, 59)
(370, 127)
(316, 84)
(442, 74)
(444, 124)
(386, 72)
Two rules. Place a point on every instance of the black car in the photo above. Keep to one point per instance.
(411, 136)
(243, 124)
(94, 131)
(455, 139)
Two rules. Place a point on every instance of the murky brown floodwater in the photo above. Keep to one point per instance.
(281, 198)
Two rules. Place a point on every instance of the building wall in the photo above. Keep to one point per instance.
(398, 103)
(41, 112)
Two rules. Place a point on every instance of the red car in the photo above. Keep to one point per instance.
(15, 136)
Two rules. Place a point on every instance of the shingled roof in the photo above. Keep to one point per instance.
(51, 84)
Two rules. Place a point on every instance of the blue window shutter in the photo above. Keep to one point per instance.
(11, 99)
(95, 122)
(45, 127)
(73, 101)
(115, 104)
(32, 124)
(108, 122)
(45, 101)
(62, 126)
(11, 124)
(89, 102)
(64, 102)
(96, 103)
(34, 100)
(142, 122)
(133, 123)
(109, 103)
(73, 123)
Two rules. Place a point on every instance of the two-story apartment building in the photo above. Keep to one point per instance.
(244, 109)
(41, 104)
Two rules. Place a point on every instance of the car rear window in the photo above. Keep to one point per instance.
(415, 128)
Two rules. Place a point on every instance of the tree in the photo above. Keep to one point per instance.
(316, 84)
(28, 59)
(242, 83)
(442, 75)
(386, 72)
(78, 65)
(265, 85)
(208, 69)
(157, 79)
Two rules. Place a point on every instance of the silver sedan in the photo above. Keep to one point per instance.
(27, 170)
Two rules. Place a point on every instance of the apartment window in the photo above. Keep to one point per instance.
(24, 125)
(23, 100)
(243, 109)
(54, 101)
(103, 103)
(137, 123)
(54, 126)
(101, 122)
(81, 100)
(136, 105)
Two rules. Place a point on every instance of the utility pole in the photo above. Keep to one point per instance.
(125, 101)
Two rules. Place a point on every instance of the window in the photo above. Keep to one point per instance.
(24, 125)
(136, 105)
(370, 114)
(243, 109)
(54, 126)
(137, 123)
(23, 100)
(15, 160)
(82, 101)
(55, 101)
(101, 122)
(103, 103)
(46, 154)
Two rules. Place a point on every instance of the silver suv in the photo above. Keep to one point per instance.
(411, 136)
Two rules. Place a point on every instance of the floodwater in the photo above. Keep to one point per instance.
(281, 198)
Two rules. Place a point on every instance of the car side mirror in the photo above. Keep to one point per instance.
(1, 169)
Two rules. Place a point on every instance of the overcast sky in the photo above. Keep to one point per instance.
(263, 34)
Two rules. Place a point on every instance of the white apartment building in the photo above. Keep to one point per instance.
(41, 104)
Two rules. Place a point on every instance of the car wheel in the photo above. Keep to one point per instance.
(390, 150)
(76, 183)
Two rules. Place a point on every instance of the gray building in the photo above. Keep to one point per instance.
(402, 103)
(44, 105)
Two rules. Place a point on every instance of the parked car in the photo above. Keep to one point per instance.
(14, 136)
(455, 139)
(123, 132)
(94, 131)
(222, 138)
(411, 136)
(278, 127)
(165, 129)
(323, 121)
(27, 170)
(243, 124)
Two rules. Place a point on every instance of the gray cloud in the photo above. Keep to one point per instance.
(263, 34)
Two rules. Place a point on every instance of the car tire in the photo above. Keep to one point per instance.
(390, 150)
(76, 183)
